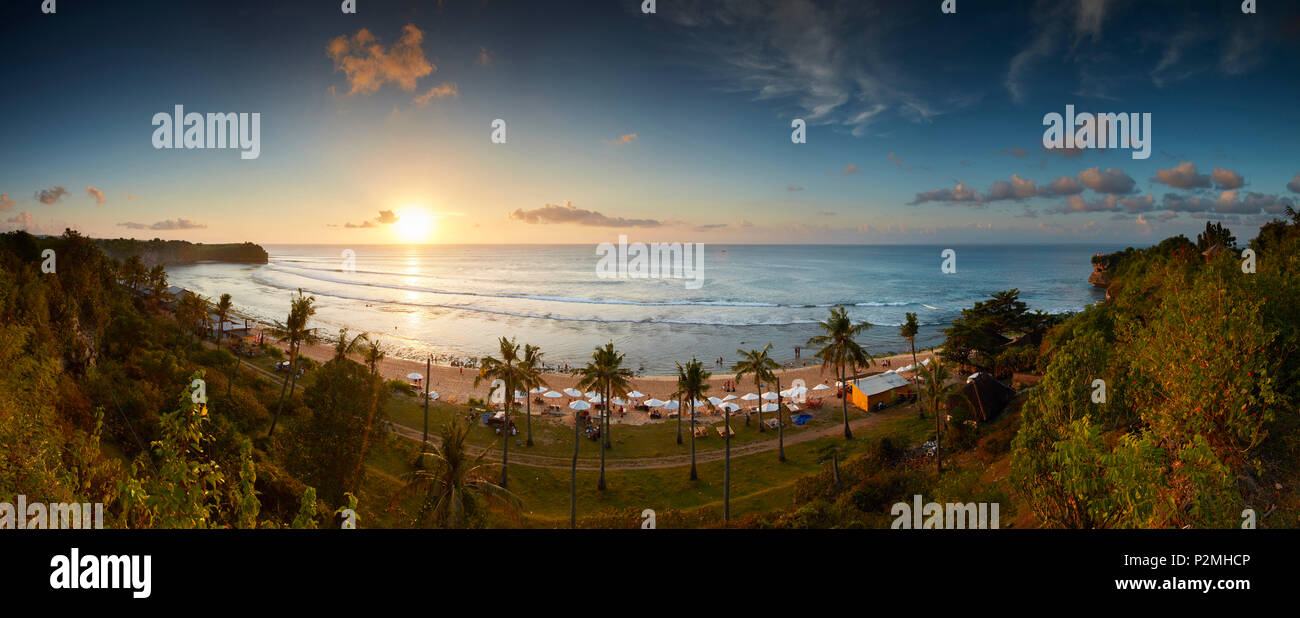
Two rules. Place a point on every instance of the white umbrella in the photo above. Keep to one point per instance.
(579, 405)
(715, 401)
(670, 405)
(519, 395)
(769, 395)
(414, 376)
(618, 402)
(539, 390)
(591, 394)
(654, 403)
(553, 395)
(700, 404)
(572, 392)
(594, 398)
(749, 397)
(821, 387)
(636, 394)
(433, 395)
(729, 398)
(730, 407)
(769, 407)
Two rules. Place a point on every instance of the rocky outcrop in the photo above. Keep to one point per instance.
(1100, 276)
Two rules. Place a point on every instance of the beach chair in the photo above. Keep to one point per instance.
(721, 433)
(701, 432)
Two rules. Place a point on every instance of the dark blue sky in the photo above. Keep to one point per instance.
(922, 126)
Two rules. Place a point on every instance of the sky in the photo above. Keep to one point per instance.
(377, 127)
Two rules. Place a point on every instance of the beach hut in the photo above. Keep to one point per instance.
(880, 388)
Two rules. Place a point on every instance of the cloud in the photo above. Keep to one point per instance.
(169, 224)
(850, 170)
(1110, 181)
(709, 227)
(1226, 178)
(50, 196)
(622, 139)
(441, 91)
(1017, 189)
(793, 188)
(1294, 185)
(568, 213)
(386, 217)
(1178, 203)
(1016, 152)
(364, 224)
(962, 193)
(1065, 185)
(97, 194)
(368, 66)
(1182, 176)
(6, 204)
(1076, 203)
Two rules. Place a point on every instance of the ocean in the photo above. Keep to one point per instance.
(455, 300)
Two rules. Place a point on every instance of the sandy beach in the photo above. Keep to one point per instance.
(456, 384)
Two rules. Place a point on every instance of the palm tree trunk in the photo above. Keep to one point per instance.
(529, 412)
(427, 379)
(726, 467)
(844, 385)
(938, 454)
(276, 418)
(916, 371)
(694, 476)
(573, 477)
(780, 424)
(604, 433)
(505, 437)
(600, 484)
(679, 421)
(759, 386)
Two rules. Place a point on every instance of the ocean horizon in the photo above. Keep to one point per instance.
(454, 301)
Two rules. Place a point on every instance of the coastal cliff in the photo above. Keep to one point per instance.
(1101, 276)
(180, 252)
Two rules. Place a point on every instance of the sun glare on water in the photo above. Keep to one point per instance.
(413, 225)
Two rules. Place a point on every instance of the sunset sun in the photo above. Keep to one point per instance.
(413, 225)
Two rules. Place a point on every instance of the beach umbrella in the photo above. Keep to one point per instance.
(553, 395)
(618, 402)
(591, 394)
(414, 376)
(636, 394)
(594, 397)
(769, 395)
(749, 397)
(821, 387)
(700, 404)
(539, 390)
(730, 407)
(670, 405)
(519, 395)
(769, 407)
(572, 392)
(579, 405)
(715, 401)
(654, 403)
(729, 398)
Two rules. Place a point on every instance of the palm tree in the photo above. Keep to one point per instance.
(692, 383)
(345, 346)
(293, 331)
(372, 354)
(453, 482)
(508, 369)
(133, 272)
(606, 372)
(157, 280)
(223, 312)
(758, 364)
(840, 351)
(908, 331)
(936, 393)
(532, 370)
